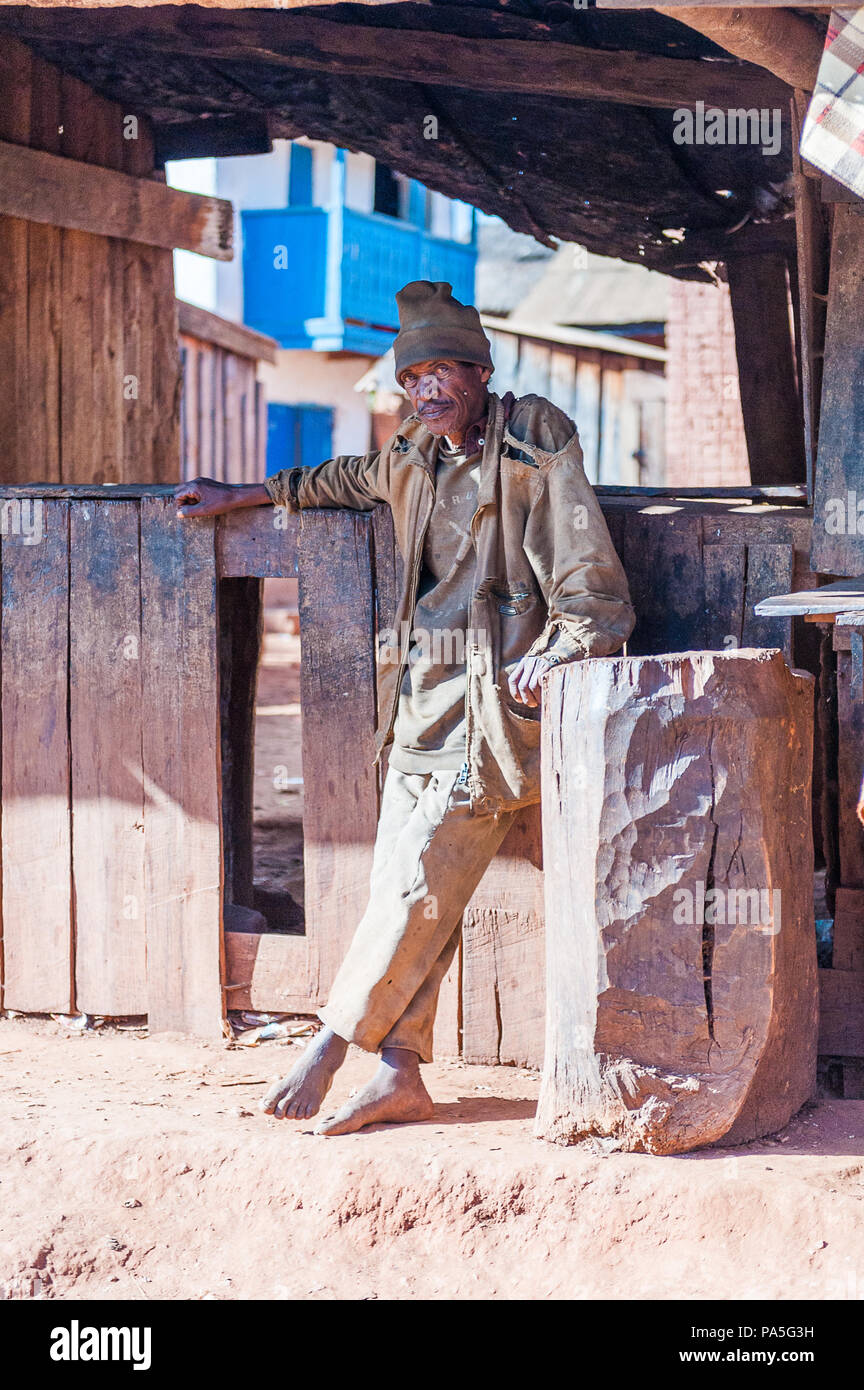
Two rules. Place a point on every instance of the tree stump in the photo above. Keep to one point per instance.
(680, 945)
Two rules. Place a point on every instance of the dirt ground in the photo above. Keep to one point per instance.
(140, 1168)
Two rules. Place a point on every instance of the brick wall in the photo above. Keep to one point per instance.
(705, 445)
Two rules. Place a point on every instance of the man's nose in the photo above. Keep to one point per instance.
(428, 388)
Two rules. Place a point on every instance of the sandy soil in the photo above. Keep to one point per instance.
(136, 1168)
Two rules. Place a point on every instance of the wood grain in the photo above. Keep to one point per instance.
(106, 718)
(337, 694)
(670, 1026)
(182, 812)
(43, 187)
(36, 829)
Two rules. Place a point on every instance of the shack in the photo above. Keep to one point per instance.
(563, 121)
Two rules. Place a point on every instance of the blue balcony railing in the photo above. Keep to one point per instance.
(326, 279)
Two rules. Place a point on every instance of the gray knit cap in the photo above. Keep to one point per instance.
(434, 324)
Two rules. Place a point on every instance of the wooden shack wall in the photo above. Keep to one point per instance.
(113, 824)
(89, 363)
(223, 414)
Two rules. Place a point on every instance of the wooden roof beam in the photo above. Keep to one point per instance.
(775, 39)
(304, 42)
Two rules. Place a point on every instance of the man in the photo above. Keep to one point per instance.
(509, 570)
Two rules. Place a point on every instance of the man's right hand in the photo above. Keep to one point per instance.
(208, 497)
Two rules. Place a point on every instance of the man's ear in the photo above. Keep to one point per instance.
(485, 373)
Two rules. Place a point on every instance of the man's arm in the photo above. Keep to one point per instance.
(351, 480)
(207, 497)
(582, 580)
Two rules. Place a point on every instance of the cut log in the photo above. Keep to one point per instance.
(682, 991)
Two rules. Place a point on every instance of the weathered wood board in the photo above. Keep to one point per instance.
(681, 992)
(105, 729)
(182, 810)
(338, 697)
(838, 548)
(36, 828)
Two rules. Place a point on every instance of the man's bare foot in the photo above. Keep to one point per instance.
(301, 1093)
(395, 1095)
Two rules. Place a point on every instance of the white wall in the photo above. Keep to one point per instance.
(315, 378)
(195, 277)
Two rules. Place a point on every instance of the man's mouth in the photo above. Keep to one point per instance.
(434, 412)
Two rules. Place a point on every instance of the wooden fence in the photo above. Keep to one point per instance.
(130, 641)
(223, 406)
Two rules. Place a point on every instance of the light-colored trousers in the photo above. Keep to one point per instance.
(430, 855)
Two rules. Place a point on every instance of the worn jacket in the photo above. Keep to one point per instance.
(544, 561)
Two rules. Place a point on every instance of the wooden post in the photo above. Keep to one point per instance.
(681, 954)
(770, 404)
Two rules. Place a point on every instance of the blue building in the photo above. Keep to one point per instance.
(326, 237)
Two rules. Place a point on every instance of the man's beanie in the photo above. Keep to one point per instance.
(434, 324)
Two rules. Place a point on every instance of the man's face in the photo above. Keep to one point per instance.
(448, 396)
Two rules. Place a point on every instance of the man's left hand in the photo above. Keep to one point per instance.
(524, 680)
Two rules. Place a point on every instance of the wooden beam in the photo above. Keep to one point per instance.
(770, 403)
(213, 137)
(780, 41)
(47, 188)
(309, 43)
(233, 337)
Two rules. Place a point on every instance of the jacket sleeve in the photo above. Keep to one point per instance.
(571, 552)
(351, 480)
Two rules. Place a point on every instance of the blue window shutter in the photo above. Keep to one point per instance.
(300, 176)
(316, 435)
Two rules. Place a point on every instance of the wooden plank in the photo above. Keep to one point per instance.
(107, 783)
(841, 1013)
(770, 405)
(72, 193)
(15, 126)
(138, 435)
(769, 571)
(259, 541)
(337, 694)
(843, 595)
(260, 431)
(80, 413)
(503, 970)
(240, 629)
(213, 137)
(233, 337)
(207, 412)
(250, 423)
(848, 952)
(611, 435)
(36, 829)
(812, 240)
(45, 289)
(313, 44)
(182, 812)
(163, 409)
(850, 774)
(669, 595)
(587, 416)
(725, 578)
(267, 972)
(233, 423)
(838, 548)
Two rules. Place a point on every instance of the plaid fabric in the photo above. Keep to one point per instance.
(833, 136)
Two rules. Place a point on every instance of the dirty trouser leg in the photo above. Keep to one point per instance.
(430, 854)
